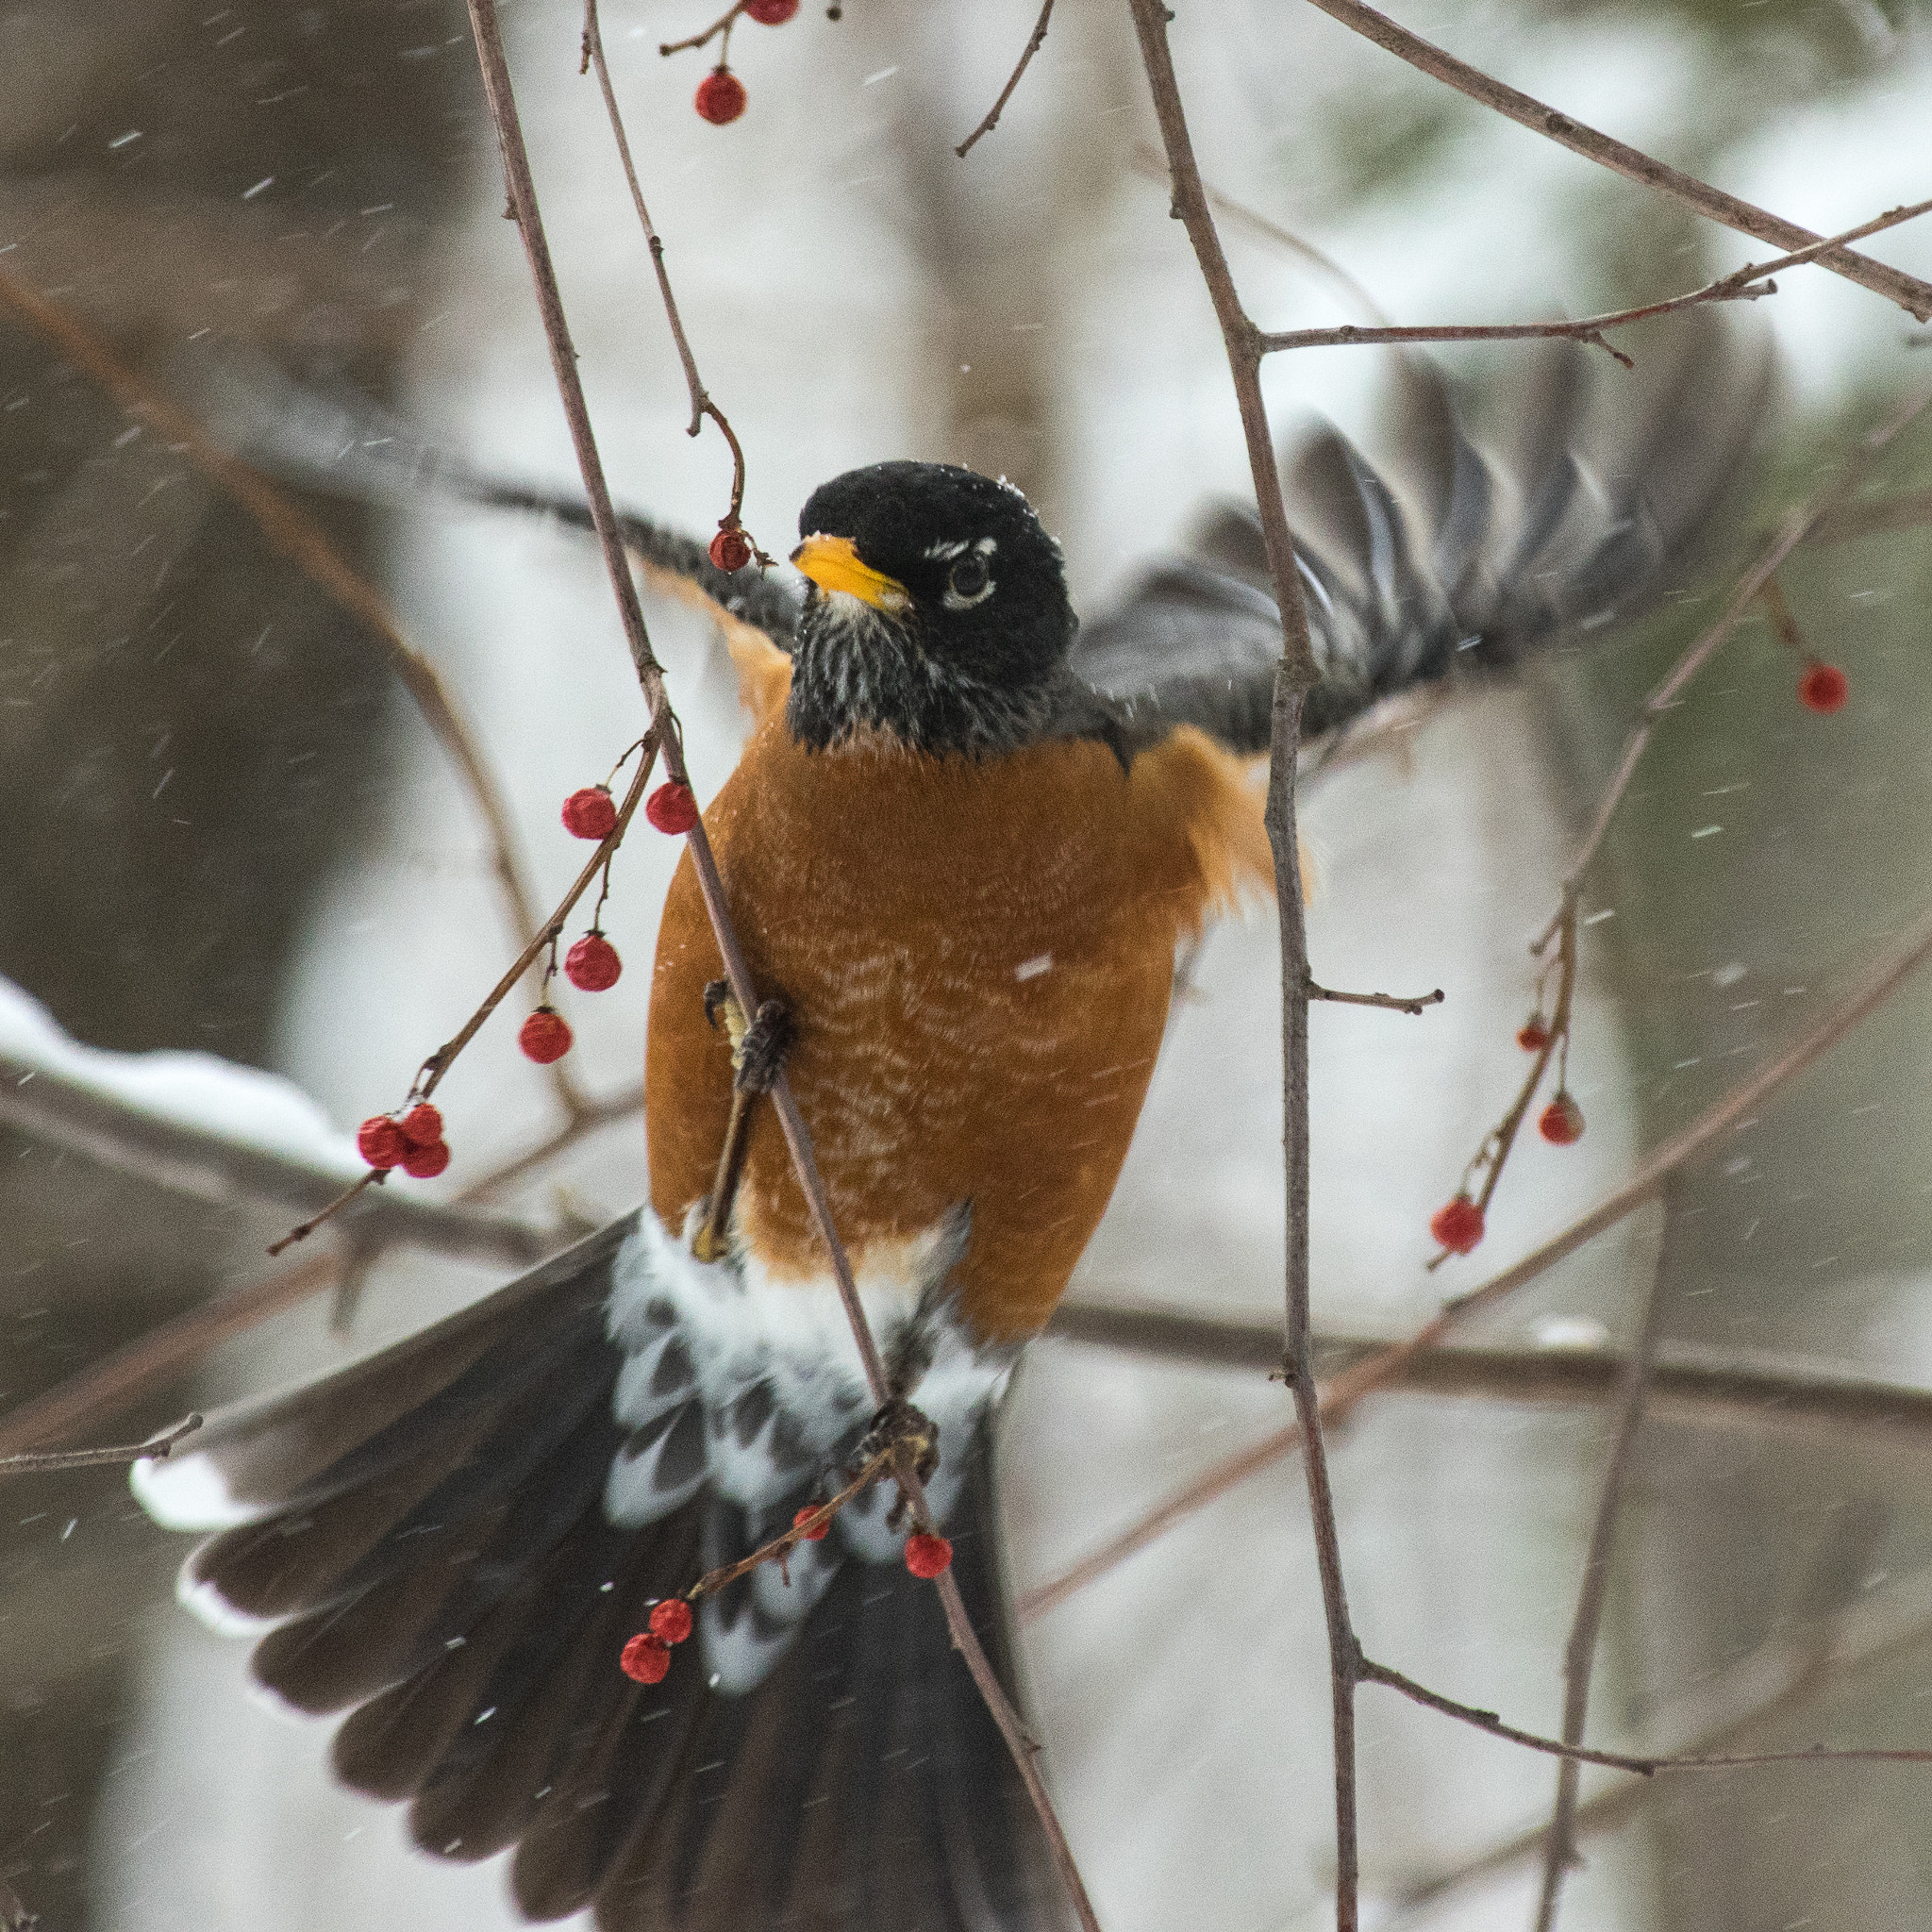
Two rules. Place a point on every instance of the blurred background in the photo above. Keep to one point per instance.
(227, 830)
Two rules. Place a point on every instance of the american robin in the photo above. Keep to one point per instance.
(960, 853)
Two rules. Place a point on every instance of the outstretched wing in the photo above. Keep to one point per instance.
(345, 442)
(1451, 555)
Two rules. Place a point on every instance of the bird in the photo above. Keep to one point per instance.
(963, 846)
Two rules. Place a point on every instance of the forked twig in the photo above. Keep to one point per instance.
(1746, 284)
(1911, 294)
(1372, 1673)
(501, 101)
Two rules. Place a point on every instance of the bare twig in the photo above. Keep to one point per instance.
(523, 193)
(1344, 1390)
(1294, 675)
(1371, 1671)
(1390, 1002)
(109, 1385)
(1494, 1154)
(811, 1525)
(721, 25)
(297, 537)
(1779, 1677)
(1035, 41)
(701, 403)
(1912, 295)
(1903, 510)
(1579, 1653)
(1746, 284)
(158, 1447)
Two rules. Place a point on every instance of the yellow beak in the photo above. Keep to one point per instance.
(833, 564)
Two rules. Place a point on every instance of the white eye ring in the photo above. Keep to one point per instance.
(969, 583)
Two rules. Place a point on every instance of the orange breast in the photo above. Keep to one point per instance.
(979, 959)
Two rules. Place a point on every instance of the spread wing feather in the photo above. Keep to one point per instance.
(1450, 556)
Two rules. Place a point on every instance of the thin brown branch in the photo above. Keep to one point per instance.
(159, 1447)
(1903, 510)
(809, 1525)
(1780, 1678)
(722, 24)
(1346, 1389)
(1910, 294)
(1035, 41)
(303, 1230)
(1746, 284)
(1579, 1652)
(1371, 1671)
(1294, 675)
(701, 403)
(1494, 1154)
(523, 193)
(291, 533)
(1390, 1002)
(114, 1382)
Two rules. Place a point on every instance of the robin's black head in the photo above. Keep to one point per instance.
(938, 614)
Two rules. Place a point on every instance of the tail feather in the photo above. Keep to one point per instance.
(431, 1536)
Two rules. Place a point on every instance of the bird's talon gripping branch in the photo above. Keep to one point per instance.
(757, 1058)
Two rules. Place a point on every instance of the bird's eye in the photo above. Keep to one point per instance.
(969, 583)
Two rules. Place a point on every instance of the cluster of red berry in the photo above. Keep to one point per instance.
(647, 1657)
(721, 95)
(412, 1141)
(593, 963)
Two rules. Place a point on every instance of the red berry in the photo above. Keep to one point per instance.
(645, 1660)
(426, 1163)
(545, 1036)
(592, 965)
(730, 549)
(672, 807)
(1533, 1036)
(1561, 1121)
(1823, 688)
(671, 1620)
(590, 814)
(720, 96)
(818, 1532)
(771, 12)
(380, 1142)
(927, 1555)
(1459, 1226)
(421, 1124)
